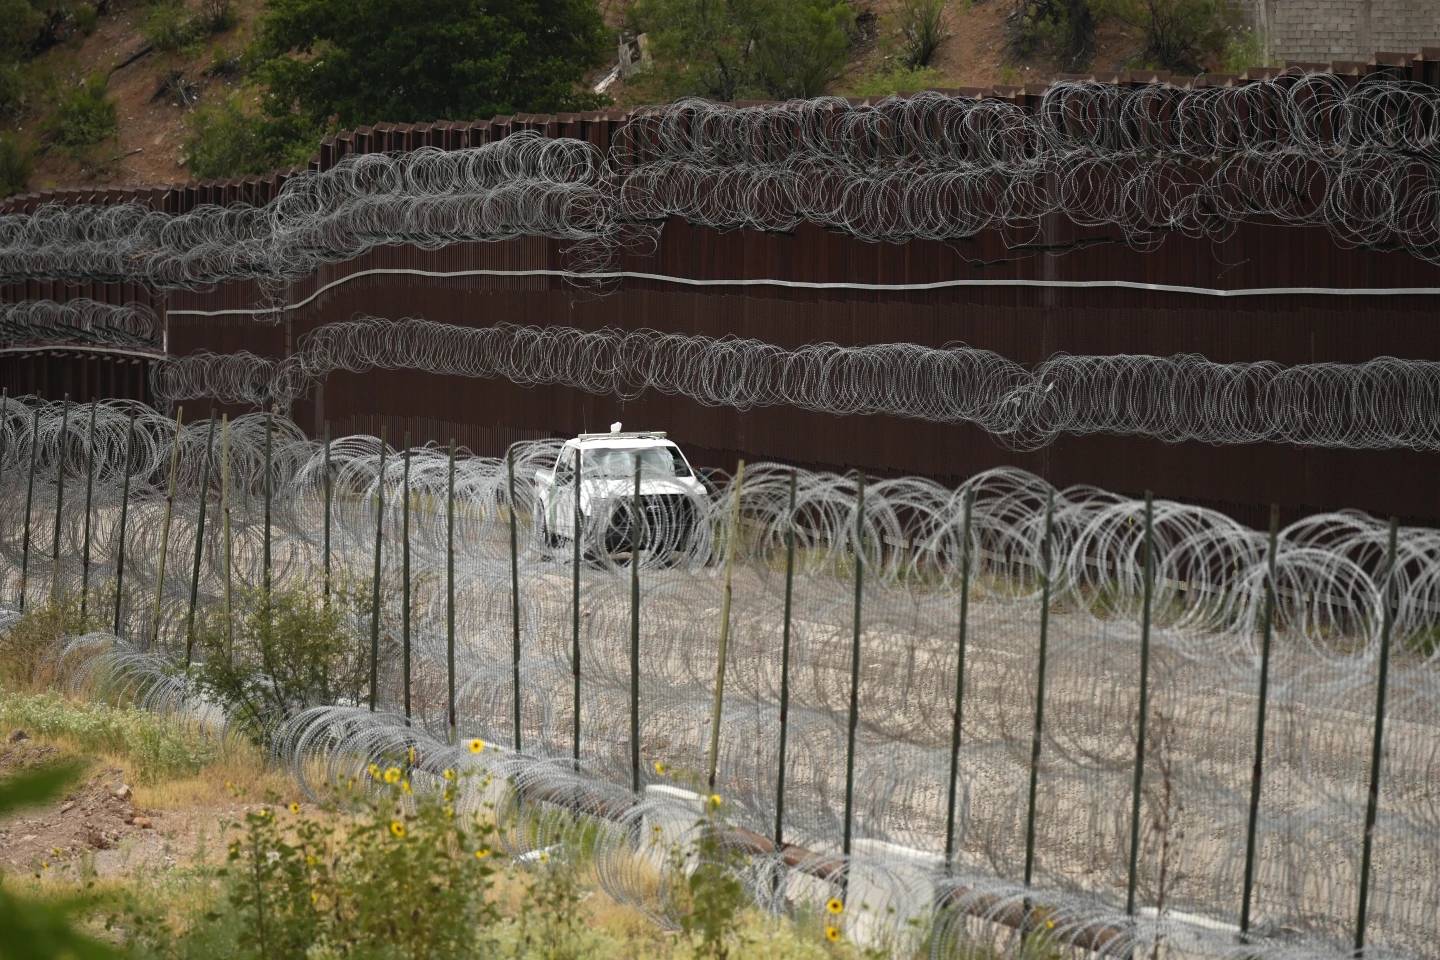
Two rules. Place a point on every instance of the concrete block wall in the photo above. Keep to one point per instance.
(1324, 30)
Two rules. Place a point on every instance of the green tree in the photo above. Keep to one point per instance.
(729, 49)
(223, 140)
(349, 62)
(86, 115)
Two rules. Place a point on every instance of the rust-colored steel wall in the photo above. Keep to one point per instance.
(1023, 323)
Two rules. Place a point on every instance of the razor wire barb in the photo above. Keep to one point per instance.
(1208, 580)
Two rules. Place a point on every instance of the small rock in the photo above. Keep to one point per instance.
(19, 735)
(28, 837)
(121, 792)
(68, 807)
(144, 823)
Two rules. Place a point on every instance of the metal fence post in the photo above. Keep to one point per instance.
(1143, 710)
(636, 531)
(1387, 626)
(89, 501)
(228, 546)
(329, 495)
(854, 715)
(29, 502)
(575, 603)
(450, 596)
(953, 783)
(785, 667)
(1045, 585)
(165, 526)
(268, 493)
(4, 437)
(725, 597)
(375, 582)
(124, 516)
(405, 578)
(60, 451)
(514, 594)
(199, 541)
(1267, 628)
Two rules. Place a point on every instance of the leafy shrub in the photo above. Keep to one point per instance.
(12, 89)
(160, 747)
(166, 27)
(288, 652)
(714, 895)
(85, 116)
(922, 29)
(86, 18)
(738, 48)
(1179, 35)
(30, 648)
(897, 79)
(214, 16)
(407, 879)
(1244, 49)
(15, 166)
(223, 141)
(1064, 29)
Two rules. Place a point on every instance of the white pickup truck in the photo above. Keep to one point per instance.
(673, 499)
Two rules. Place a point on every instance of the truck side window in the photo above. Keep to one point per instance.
(682, 469)
(565, 466)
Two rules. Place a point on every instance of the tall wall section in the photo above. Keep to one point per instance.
(1325, 30)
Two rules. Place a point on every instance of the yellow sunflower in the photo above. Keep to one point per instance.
(477, 745)
(832, 933)
(397, 829)
(835, 906)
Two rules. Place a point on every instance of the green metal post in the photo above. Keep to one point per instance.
(124, 515)
(450, 596)
(1045, 585)
(785, 666)
(199, 541)
(575, 605)
(89, 503)
(727, 592)
(514, 595)
(329, 497)
(1148, 593)
(165, 526)
(1387, 626)
(965, 564)
(1257, 771)
(61, 448)
(854, 716)
(268, 494)
(375, 580)
(228, 546)
(29, 501)
(405, 578)
(636, 531)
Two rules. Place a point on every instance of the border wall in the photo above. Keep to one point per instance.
(1268, 292)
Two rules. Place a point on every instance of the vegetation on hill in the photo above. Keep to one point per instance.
(148, 91)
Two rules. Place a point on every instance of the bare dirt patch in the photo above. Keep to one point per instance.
(96, 825)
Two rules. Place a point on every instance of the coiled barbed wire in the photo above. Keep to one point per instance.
(1384, 403)
(81, 321)
(1333, 585)
(1299, 149)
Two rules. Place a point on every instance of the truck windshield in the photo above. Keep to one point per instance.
(655, 462)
